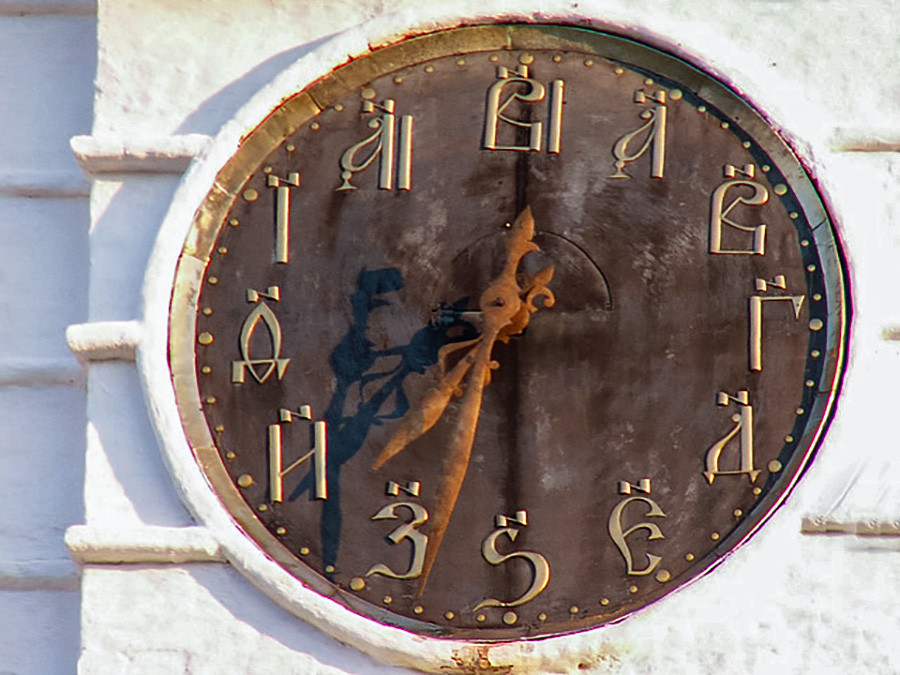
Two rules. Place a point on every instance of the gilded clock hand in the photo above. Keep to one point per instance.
(505, 314)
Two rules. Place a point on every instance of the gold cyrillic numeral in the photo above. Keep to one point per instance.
(619, 536)
(655, 141)
(720, 214)
(496, 112)
(318, 454)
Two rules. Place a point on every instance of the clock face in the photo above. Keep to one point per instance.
(507, 331)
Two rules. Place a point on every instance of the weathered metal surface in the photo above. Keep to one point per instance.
(630, 421)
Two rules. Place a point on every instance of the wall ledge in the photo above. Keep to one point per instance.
(865, 140)
(142, 544)
(44, 184)
(40, 372)
(160, 154)
(59, 574)
(104, 340)
(866, 527)
(46, 7)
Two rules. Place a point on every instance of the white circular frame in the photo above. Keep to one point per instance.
(385, 643)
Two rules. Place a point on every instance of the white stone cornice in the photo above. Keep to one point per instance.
(865, 140)
(163, 154)
(104, 340)
(45, 7)
(863, 527)
(44, 184)
(40, 372)
(59, 574)
(142, 544)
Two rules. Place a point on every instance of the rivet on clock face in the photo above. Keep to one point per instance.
(815, 353)
(234, 222)
(429, 69)
(245, 480)
(810, 268)
(689, 557)
(816, 324)
(804, 243)
(367, 93)
(788, 439)
(604, 601)
(632, 589)
(212, 281)
(701, 108)
(509, 618)
(817, 296)
(766, 168)
(774, 466)
(387, 599)
(290, 147)
(449, 615)
(574, 609)
(460, 62)
(780, 189)
(619, 70)
(304, 550)
(746, 144)
(206, 370)
(357, 584)
(810, 383)
(207, 311)
(338, 107)
(724, 125)
(230, 455)
(250, 195)
(329, 569)
(418, 609)
(648, 81)
(737, 513)
(589, 62)
(714, 536)
(262, 508)
(220, 428)
(799, 411)
(493, 58)
(211, 400)
(267, 170)
(222, 250)
(793, 215)
(662, 576)
(280, 531)
(398, 79)
(315, 126)
(557, 58)
(542, 617)
(757, 491)
(676, 94)
(526, 59)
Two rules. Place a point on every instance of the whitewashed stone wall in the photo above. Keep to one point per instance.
(101, 566)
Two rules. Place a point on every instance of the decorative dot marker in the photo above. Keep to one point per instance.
(230, 455)
(757, 491)
(418, 609)
(460, 62)
(339, 106)
(329, 569)
(207, 311)
(774, 466)
(724, 125)
(449, 615)
(280, 531)
(387, 599)
(689, 557)
(817, 296)
(604, 601)
(205, 338)
(662, 576)
(315, 126)
(574, 609)
(788, 439)
(675, 94)
(810, 268)
(493, 58)
(304, 550)
(648, 81)
(357, 584)
(810, 383)
(268, 169)
(398, 79)
(589, 62)
(213, 281)
(429, 69)
(766, 168)
(715, 536)
(815, 353)
(542, 616)
(262, 508)
(290, 147)
(793, 215)
(220, 428)
(816, 324)
(206, 370)
(557, 58)
(780, 189)
(701, 108)
(746, 144)
(619, 71)
(367, 93)
(804, 243)
(481, 618)
(737, 513)
(799, 411)
(222, 250)
(211, 400)
(632, 589)
(251, 195)
(509, 618)
(525, 59)
(234, 222)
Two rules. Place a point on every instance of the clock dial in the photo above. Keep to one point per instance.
(507, 331)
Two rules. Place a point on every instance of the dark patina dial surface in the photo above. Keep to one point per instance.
(600, 417)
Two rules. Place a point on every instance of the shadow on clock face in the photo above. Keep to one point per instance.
(369, 383)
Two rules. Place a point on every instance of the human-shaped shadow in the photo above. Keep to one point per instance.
(354, 363)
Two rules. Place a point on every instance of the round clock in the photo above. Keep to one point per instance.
(506, 331)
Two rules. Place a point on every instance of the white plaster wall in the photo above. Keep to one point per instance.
(48, 57)
(785, 602)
